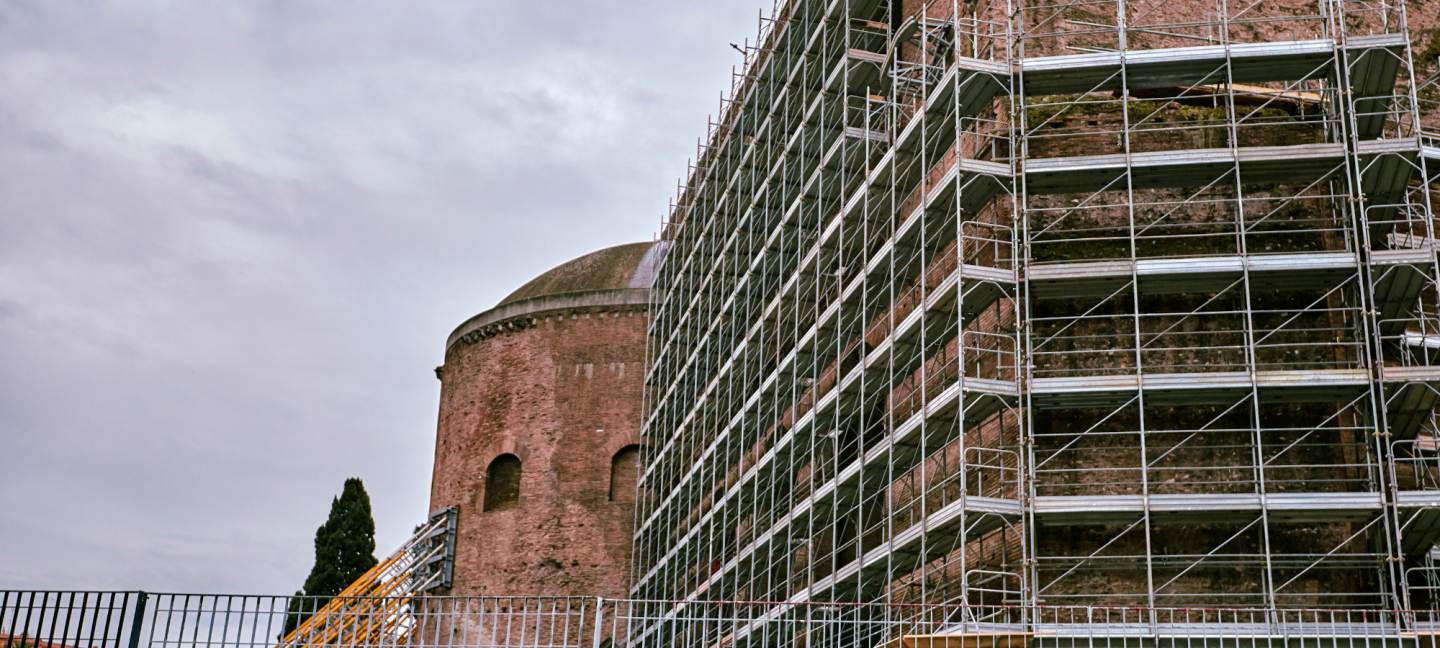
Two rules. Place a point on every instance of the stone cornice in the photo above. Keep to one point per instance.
(476, 327)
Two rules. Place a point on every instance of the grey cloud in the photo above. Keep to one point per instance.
(234, 235)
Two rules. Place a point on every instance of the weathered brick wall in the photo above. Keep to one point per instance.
(562, 391)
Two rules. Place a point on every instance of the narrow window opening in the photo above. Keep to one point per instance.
(502, 483)
(624, 473)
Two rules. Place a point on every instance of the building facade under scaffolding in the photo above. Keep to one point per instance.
(1123, 303)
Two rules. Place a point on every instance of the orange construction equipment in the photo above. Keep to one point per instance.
(376, 608)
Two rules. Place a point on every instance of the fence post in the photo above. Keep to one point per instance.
(138, 619)
(599, 620)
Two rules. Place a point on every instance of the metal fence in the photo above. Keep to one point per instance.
(134, 619)
(46, 619)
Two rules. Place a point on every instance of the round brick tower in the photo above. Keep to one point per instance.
(538, 434)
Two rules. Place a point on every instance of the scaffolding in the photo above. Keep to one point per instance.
(1053, 302)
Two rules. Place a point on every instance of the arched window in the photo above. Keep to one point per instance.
(502, 483)
(624, 473)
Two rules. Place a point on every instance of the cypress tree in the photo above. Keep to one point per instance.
(344, 551)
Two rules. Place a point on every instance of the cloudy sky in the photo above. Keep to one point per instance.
(234, 235)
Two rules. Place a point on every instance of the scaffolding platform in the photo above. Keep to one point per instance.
(977, 82)
(1425, 346)
(974, 287)
(1298, 271)
(859, 69)
(972, 84)
(1201, 388)
(1202, 508)
(1398, 277)
(1375, 63)
(1387, 167)
(1431, 157)
(1188, 66)
(1372, 73)
(969, 185)
(1184, 168)
(1419, 513)
(1411, 394)
(937, 535)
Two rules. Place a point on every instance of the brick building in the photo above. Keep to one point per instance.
(539, 426)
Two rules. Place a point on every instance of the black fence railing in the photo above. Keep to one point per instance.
(62, 619)
(76, 619)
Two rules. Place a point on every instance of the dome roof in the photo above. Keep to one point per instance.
(613, 277)
(616, 268)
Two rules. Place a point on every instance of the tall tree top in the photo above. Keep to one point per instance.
(345, 544)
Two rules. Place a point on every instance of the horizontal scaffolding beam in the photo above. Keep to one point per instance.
(1201, 388)
(1202, 508)
(1186, 66)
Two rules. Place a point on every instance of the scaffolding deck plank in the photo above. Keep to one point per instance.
(939, 533)
(1374, 69)
(1337, 385)
(977, 287)
(1411, 394)
(970, 83)
(1419, 520)
(1387, 166)
(968, 186)
(1399, 276)
(1430, 156)
(1191, 274)
(1183, 168)
(1175, 508)
(1180, 66)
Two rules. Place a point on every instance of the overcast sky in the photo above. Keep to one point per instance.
(234, 236)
